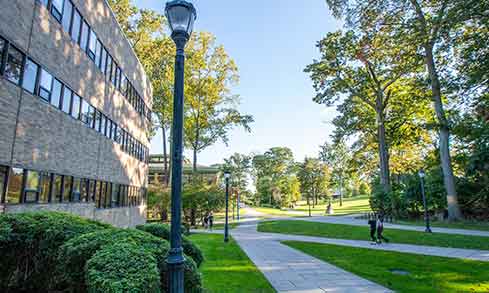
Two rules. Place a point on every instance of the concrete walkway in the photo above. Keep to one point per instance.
(289, 270)
(351, 220)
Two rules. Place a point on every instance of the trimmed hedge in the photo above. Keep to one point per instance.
(163, 231)
(29, 243)
(123, 267)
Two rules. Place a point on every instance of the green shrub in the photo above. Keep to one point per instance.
(32, 240)
(163, 231)
(122, 267)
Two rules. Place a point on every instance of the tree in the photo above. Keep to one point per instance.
(210, 108)
(239, 166)
(336, 157)
(364, 69)
(313, 177)
(420, 23)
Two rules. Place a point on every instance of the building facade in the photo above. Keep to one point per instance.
(75, 107)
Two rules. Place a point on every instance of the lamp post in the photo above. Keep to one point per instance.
(181, 16)
(227, 175)
(426, 215)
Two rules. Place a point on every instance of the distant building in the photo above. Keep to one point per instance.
(75, 107)
(156, 176)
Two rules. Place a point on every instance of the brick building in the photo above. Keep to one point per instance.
(74, 112)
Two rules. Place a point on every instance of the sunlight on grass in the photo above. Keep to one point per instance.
(426, 273)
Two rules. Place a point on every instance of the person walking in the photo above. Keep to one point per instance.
(206, 221)
(373, 229)
(380, 230)
(211, 220)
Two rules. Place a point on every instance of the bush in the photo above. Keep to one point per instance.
(163, 231)
(75, 254)
(123, 267)
(32, 240)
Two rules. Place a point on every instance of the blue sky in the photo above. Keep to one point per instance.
(271, 41)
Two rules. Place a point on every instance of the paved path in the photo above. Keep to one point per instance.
(350, 220)
(289, 270)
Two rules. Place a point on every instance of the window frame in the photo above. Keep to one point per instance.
(65, 88)
(75, 97)
(22, 63)
(53, 9)
(26, 190)
(60, 98)
(41, 88)
(75, 13)
(36, 79)
(70, 15)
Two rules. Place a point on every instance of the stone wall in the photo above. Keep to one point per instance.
(126, 217)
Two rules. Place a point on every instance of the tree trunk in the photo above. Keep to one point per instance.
(194, 164)
(444, 137)
(341, 190)
(165, 158)
(383, 153)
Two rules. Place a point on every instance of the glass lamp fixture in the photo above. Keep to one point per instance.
(181, 16)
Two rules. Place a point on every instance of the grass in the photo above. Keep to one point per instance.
(227, 268)
(362, 233)
(427, 273)
(469, 225)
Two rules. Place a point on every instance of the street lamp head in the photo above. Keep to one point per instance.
(181, 16)
(421, 173)
(227, 174)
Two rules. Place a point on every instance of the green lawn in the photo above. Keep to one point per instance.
(426, 273)
(227, 268)
(362, 233)
(469, 225)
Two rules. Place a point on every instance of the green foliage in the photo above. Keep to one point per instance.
(163, 231)
(158, 203)
(29, 243)
(122, 267)
(198, 199)
(314, 179)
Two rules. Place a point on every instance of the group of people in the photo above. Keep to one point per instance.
(377, 227)
(208, 221)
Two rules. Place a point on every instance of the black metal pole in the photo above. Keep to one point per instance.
(226, 228)
(175, 258)
(426, 215)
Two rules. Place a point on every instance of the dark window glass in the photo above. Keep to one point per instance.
(98, 52)
(85, 187)
(75, 28)
(109, 128)
(45, 85)
(103, 60)
(84, 35)
(57, 9)
(92, 45)
(30, 76)
(2, 49)
(75, 107)
(93, 190)
(103, 124)
(76, 190)
(114, 131)
(45, 187)
(67, 188)
(67, 13)
(98, 117)
(100, 194)
(124, 84)
(14, 186)
(108, 196)
(115, 195)
(113, 75)
(66, 100)
(3, 182)
(57, 188)
(90, 114)
(108, 71)
(31, 188)
(56, 94)
(117, 134)
(13, 67)
(85, 112)
(118, 78)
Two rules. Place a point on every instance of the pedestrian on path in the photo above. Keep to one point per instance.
(211, 220)
(373, 228)
(380, 230)
(206, 221)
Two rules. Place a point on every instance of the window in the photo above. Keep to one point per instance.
(75, 106)
(115, 195)
(98, 52)
(2, 51)
(103, 124)
(66, 100)
(98, 117)
(85, 188)
(3, 182)
(13, 67)
(57, 9)
(30, 76)
(118, 78)
(113, 75)
(84, 35)
(45, 85)
(90, 114)
(67, 180)
(93, 190)
(108, 195)
(109, 128)
(108, 70)
(31, 189)
(124, 84)
(67, 14)
(75, 27)
(103, 61)
(85, 112)
(56, 94)
(76, 190)
(14, 186)
(44, 196)
(92, 45)
(57, 188)
(114, 132)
